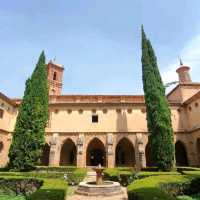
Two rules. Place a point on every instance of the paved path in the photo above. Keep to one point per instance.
(91, 177)
(81, 197)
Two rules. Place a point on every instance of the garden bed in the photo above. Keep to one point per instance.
(165, 186)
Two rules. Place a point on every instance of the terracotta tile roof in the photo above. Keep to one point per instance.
(7, 99)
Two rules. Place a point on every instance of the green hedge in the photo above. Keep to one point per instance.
(150, 188)
(73, 176)
(56, 169)
(144, 174)
(76, 176)
(123, 175)
(52, 189)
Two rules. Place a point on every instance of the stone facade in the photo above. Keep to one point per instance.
(111, 130)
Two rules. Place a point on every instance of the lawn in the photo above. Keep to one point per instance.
(54, 186)
(7, 197)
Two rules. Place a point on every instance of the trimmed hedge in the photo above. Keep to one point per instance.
(74, 175)
(123, 175)
(145, 174)
(150, 188)
(55, 169)
(52, 189)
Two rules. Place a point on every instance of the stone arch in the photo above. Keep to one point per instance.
(198, 150)
(124, 153)
(181, 154)
(68, 153)
(96, 153)
(149, 162)
(45, 155)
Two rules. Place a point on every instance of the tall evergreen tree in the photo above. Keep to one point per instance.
(28, 138)
(158, 111)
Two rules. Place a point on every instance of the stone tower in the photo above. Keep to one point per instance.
(183, 73)
(55, 74)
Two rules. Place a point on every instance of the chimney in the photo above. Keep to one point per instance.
(183, 73)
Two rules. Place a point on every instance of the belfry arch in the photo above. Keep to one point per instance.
(68, 153)
(124, 153)
(181, 154)
(96, 153)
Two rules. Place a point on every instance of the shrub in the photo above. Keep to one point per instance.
(52, 189)
(55, 169)
(19, 186)
(76, 176)
(150, 188)
(123, 175)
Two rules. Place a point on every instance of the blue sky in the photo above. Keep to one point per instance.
(97, 41)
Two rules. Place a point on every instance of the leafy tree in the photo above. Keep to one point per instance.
(29, 133)
(158, 111)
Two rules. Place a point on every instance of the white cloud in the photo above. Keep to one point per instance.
(190, 55)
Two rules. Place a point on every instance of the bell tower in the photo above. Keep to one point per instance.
(183, 73)
(55, 75)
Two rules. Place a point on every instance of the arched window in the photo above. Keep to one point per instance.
(1, 113)
(54, 76)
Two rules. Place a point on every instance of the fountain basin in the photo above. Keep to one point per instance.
(108, 188)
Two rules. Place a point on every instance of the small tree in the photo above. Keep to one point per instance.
(28, 138)
(158, 112)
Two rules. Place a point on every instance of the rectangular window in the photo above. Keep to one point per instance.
(94, 118)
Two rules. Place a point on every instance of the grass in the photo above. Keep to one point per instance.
(54, 186)
(184, 197)
(148, 188)
(51, 189)
(7, 197)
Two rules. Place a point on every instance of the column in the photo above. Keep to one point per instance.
(81, 162)
(110, 153)
(140, 152)
(54, 155)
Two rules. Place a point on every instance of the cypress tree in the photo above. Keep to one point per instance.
(158, 111)
(29, 133)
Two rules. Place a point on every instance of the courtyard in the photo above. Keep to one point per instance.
(148, 184)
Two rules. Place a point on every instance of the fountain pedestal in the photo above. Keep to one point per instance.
(100, 187)
(99, 177)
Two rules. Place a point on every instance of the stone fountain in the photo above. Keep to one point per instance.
(99, 187)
